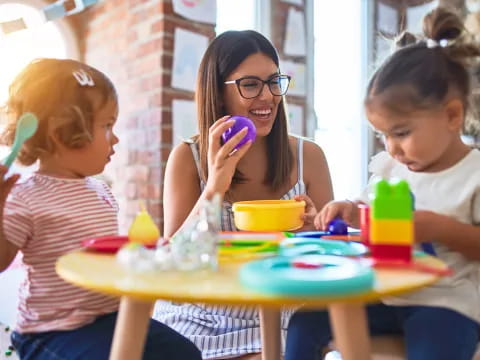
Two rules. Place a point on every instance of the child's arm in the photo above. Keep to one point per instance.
(7, 249)
(346, 210)
(457, 236)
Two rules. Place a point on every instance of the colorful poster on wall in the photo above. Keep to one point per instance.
(297, 72)
(184, 120)
(295, 40)
(295, 119)
(198, 10)
(188, 51)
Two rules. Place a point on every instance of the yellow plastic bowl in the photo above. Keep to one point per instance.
(268, 215)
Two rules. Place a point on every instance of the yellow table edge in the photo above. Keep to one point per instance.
(78, 268)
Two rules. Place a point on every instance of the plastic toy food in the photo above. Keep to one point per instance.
(143, 230)
(240, 123)
(338, 227)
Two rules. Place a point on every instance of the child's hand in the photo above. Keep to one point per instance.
(345, 210)
(6, 184)
(310, 210)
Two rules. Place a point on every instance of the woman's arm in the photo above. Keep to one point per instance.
(316, 176)
(181, 189)
(182, 195)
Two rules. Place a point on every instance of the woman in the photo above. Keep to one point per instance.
(239, 75)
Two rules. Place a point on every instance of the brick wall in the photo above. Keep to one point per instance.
(132, 42)
(279, 19)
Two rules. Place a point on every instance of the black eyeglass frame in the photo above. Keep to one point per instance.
(268, 81)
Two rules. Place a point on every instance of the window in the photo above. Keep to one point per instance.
(339, 63)
(39, 39)
(237, 15)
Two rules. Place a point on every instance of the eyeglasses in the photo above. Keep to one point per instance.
(250, 87)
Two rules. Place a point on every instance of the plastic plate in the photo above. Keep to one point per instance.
(107, 244)
(304, 246)
(328, 276)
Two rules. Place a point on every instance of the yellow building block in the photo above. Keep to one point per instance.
(395, 232)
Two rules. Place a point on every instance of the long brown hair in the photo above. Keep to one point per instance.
(224, 54)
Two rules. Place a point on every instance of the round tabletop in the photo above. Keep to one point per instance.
(102, 273)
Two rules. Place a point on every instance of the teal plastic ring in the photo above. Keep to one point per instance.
(277, 276)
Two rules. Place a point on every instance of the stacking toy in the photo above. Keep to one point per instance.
(391, 222)
(143, 230)
(240, 123)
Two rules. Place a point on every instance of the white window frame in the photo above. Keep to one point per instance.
(365, 137)
(310, 116)
(263, 16)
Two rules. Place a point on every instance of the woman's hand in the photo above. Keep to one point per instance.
(223, 159)
(345, 210)
(310, 210)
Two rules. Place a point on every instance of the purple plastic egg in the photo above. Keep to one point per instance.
(337, 227)
(240, 123)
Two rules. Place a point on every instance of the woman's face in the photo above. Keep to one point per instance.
(262, 109)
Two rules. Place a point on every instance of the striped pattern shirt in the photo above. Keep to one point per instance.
(222, 332)
(46, 217)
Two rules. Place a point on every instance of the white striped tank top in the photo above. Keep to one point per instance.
(223, 332)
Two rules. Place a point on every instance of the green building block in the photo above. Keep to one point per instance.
(392, 201)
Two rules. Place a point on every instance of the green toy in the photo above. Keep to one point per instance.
(392, 201)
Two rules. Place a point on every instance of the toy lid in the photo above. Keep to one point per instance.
(267, 204)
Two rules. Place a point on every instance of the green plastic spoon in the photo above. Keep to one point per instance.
(26, 127)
